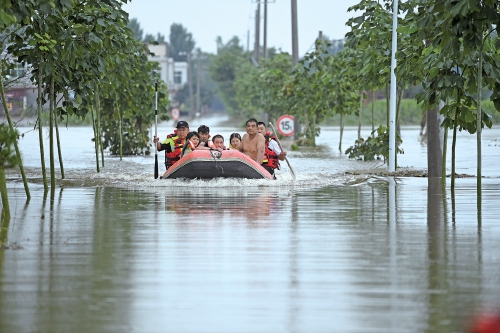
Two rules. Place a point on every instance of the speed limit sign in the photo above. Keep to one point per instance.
(285, 125)
(176, 113)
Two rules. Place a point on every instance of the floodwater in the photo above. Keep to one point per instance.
(331, 252)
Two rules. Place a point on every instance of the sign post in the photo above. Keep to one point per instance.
(286, 125)
(176, 113)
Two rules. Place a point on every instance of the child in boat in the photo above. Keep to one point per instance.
(204, 132)
(234, 141)
(192, 141)
(218, 141)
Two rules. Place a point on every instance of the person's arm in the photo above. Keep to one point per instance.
(240, 147)
(202, 146)
(156, 140)
(261, 146)
(273, 145)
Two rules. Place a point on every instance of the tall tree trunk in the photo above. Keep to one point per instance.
(98, 115)
(51, 134)
(121, 131)
(453, 150)
(443, 161)
(40, 131)
(373, 112)
(96, 142)
(398, 107)
(59, 152)
(479, 124)
(120, 126)
(3, 191)
(388, 106)
(434, 155)
(360, 113)
(341, 131)
(16, 146)
(313, 130)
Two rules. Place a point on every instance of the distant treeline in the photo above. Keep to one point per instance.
(410, 114)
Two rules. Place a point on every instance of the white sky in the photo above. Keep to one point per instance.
(207, 19)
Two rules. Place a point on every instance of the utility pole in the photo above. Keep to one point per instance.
(265, 30)
(257, 34)
(198, 84)
(295, 37)
(190, 82)
(295, 57)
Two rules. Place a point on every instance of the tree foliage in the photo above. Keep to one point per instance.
(89, 53)
(230, 62)
(181, 42)
(271, 74)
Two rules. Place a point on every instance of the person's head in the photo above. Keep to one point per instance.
(218, 141)
(182, 129)
(235, 140)
(261, 128)
(194, 138)
(204, 132)
(251, 126)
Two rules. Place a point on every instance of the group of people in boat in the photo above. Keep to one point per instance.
(257, 143)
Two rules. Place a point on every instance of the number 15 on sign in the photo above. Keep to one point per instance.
(285, 125)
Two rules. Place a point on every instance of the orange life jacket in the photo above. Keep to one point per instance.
(188, 147)
(270, 157)
(176, 145)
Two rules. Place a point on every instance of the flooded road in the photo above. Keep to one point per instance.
(121, 252)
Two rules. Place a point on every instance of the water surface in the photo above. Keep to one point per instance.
(332, 252)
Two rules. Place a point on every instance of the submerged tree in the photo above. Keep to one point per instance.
(8, 159)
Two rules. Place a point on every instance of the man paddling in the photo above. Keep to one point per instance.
(173, 144)
(253, 143)
(272, 153)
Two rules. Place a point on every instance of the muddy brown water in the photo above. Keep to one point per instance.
(331, 252)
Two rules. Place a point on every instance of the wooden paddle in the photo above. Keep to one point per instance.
(279, 144)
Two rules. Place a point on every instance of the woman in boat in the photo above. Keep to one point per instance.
(192, 142)
(234, 141)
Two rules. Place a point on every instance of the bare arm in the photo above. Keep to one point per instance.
(240, 148)
(261, 146)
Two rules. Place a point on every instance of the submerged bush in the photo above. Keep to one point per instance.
(374, 147)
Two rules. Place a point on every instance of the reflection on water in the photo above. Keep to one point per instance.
(379, 255)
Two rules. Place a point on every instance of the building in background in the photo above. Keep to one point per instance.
(20, 93)
(174, 74)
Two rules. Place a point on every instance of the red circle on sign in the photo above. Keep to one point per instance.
(176, 113)
(285, 125)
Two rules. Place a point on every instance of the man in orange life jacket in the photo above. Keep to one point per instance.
(173, 144)
(273, 154)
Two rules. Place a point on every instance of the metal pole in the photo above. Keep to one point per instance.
(257, 34)
(248, 40)
(198, 85)
(295, 57)
(295, 39)
(190, 81)
(265, 29)
(392, 113)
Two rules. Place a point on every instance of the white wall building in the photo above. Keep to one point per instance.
(174, 74)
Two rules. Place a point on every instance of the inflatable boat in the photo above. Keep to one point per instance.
(208, 164)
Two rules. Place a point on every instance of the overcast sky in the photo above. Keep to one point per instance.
(207, 19)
